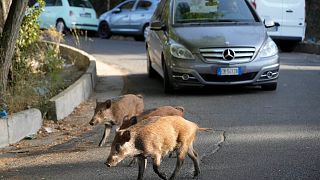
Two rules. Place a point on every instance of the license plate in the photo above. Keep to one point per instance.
(229, 71)
(87, 15)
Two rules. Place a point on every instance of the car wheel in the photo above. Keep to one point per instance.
(151, 72)
(269, 87)
(104, 30)
(61, 26)
(145, 31)
(167, 84)
(144, 35)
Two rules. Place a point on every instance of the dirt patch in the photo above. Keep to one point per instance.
(53, 133)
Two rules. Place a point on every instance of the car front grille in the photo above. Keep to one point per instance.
(241, 54)
(233, 78)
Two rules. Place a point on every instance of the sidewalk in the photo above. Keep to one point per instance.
(74, 132)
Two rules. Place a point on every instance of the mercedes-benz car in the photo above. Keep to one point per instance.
(218, 42)
(130, 17)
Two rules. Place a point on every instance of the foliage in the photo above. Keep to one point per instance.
(34, 75)
(30, 28)
(312, 18)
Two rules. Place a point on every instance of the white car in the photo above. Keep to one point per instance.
(290, 16)
(68, 14)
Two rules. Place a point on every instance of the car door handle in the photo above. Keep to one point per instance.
(142, 15)
(289, 11)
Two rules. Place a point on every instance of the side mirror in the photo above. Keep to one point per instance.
(116, 10)
(157, 26)
(269, 23)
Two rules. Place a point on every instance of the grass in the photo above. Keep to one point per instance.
(38, 74)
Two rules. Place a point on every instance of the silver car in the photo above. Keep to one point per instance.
(131, 17)
(211, 42)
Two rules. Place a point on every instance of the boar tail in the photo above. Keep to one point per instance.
(180, 108)
(205, 129)
(140, 96)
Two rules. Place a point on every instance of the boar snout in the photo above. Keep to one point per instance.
(107, 164)
(93, 122)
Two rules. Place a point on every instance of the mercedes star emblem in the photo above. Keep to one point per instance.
(228, 54)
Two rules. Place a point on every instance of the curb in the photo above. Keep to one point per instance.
(64, 103)
(19, 125)
(309, 48)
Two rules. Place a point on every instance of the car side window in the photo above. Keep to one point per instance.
(58, 3)
(127, 6)
(50, 2)
(144, 5)
(165, 13)
(158, 11)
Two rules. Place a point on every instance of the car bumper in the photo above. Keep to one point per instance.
(82, 25)
(193, 73)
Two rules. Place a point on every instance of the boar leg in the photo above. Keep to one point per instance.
(181, 154)
(156, 166)
(132, 162)
(142, 162)
(107, 129)
(195, 158)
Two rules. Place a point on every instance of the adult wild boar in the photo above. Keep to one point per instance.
(158, 111)
(113, 111)
(154, 138)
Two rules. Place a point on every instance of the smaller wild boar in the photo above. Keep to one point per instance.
(158, 111)
(112, 112)
(155, 138)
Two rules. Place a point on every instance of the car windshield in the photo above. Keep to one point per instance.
(211, 11)
(80, 3)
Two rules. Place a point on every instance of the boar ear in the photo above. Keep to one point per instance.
(133, 120)
(126, 136)
(180, 108)
(107, 104)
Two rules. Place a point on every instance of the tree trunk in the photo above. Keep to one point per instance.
(4, 8)
(8, 40)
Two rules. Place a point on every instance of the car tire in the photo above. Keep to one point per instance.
(287, 46)
(61, 26)
(167, 84)
(151, 72)
(104, 30)
(143, 36)
(269, 87)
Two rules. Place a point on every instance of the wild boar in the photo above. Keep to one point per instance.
(154, 138)
(159, 111)
(112, 112)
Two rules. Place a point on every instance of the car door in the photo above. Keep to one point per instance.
(271, 9)
(140, 15)
(293, 18)
(155, 40)
(120, 20)
(47, 18)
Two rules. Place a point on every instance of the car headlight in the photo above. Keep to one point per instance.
(269, 48)
(180, 52)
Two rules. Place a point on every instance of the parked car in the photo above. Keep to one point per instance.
(290, 14)
(128, 18)
(221, 42)
(68, 14)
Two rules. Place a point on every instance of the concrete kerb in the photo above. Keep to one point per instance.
(19, 125)
(64, 103)
(310, 48)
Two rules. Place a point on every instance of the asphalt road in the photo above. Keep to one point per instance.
(258, 134)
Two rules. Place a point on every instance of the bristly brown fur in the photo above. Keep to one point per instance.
(155, 137)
